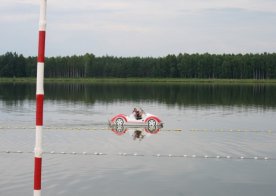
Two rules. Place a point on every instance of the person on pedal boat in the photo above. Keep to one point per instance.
(137, 114)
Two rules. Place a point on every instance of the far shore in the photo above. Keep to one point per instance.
(142, 80)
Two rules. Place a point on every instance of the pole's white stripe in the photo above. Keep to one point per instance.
(38, 142)
(42, 26)
(40, 79)
(42, 17)
(37, 192)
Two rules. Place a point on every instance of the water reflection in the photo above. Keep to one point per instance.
(260, 95)
(137, 132)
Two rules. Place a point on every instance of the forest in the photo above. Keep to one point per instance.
(213, 66)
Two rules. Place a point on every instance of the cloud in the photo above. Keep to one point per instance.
(13, 11)
(16, 18)
(84, 5)
(142, 27)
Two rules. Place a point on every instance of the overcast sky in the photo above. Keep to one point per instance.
(140, 27)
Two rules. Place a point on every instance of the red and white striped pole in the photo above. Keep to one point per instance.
(39, 98)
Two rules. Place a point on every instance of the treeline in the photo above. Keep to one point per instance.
(229, 66)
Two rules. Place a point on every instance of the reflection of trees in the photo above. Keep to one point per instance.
(13, 94)
(171, 94)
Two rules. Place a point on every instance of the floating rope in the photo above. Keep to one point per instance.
(123, 154)
(173, 130)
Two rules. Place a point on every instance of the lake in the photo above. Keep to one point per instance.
(216, 140)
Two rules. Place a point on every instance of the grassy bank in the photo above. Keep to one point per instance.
(140, 80)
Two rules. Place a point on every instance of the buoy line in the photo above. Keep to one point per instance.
(108, 129)
(158, 155)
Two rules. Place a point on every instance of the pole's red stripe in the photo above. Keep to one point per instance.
(37, 173)
(41, 47)
(39, 110)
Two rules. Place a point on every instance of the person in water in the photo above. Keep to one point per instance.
(137, 114)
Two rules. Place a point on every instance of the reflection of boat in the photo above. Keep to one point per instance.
(121, 130)
(137, 118)
(135, 131)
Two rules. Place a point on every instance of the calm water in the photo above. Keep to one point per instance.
(215, 120)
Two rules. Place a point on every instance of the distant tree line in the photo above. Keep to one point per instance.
(232, 66)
